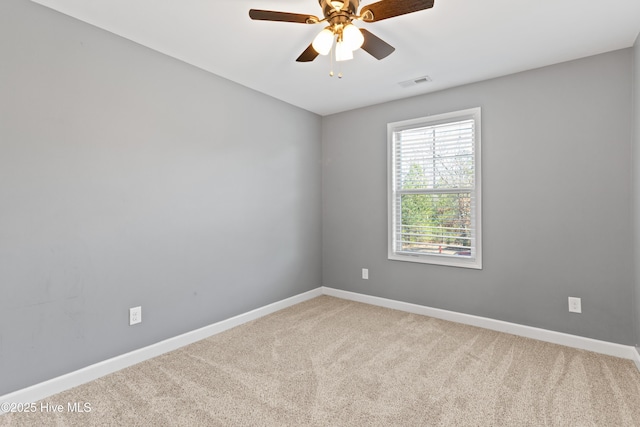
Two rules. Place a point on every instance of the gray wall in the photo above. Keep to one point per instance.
(636, 170)
(128, 178)
(556, 147)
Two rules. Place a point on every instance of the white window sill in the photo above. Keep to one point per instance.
(446, 260)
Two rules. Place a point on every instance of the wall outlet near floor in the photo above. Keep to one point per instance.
(135, 315)
(365, 273)
(575, 305)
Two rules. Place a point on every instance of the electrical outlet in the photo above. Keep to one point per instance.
(365, 273)
(135, 315)
(575, 305)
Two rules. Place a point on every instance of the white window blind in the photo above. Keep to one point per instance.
(434, 189)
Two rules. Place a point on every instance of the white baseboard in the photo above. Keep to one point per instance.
(597, 346)
(92, 372)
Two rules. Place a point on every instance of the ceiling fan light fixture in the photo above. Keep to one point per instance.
(343, 51)
(339, 15)
(323, 41)
(353, 37)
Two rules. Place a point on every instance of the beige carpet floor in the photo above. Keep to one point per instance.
(331, 362)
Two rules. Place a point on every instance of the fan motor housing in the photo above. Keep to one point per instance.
(336, 14)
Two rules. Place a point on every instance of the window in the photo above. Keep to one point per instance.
(434, 190)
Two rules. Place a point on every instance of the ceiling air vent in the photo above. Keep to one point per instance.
(416, 81)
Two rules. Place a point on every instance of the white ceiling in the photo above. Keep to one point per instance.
(456, 42)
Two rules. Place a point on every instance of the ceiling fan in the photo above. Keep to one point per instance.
(339, 15)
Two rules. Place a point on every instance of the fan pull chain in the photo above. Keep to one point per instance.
(331, 69)
(331, 62)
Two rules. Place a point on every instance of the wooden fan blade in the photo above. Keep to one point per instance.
(375, 46)
(385, 9)
(270, 15)
(308, 55)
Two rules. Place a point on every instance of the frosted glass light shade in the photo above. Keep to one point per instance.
(343, 52)
(323, 41)
(353, 37)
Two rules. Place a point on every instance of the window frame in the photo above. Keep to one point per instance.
(476, 192)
